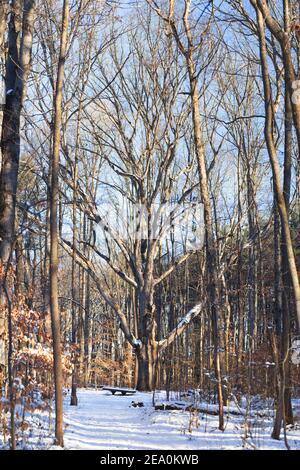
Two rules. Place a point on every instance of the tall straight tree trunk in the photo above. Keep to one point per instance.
(211, 252)
(282, 204)
(286, 279)
(81, 310)
(18, 65)
(277, 273)
(240, 310)
(74, 400)
(87, 333)
(269, 129)
(284, 412)
(17, 71)
(3, 28)
(211, 256)
(88, 318)
(55, 316)
(252, 257)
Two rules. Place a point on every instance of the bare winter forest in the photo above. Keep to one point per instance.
(149, 224)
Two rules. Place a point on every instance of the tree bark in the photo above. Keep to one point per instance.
(18, 66)
(147, 366)
(3, 28)
(55, 315)
(284, 412)
(147, 349)
(17, 71)
(211, 256)
(269, 129)
(187, 52)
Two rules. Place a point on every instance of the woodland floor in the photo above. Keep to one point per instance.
(103, 421)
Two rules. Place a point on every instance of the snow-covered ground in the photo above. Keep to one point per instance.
(103, 421)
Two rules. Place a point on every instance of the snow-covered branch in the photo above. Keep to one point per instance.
(169, 271)
(180, 327)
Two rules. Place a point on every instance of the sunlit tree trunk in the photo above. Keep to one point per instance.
(55, 315)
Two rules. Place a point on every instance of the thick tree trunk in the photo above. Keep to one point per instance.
(18, 65)
(17, 71)
(147, 349)
(147, 366)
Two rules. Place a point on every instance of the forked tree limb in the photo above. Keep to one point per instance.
(88, 266)
(133, 341)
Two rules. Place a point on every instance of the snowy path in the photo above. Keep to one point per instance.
(103, 421)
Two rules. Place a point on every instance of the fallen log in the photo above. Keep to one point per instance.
(179, 407)
(209, 409)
